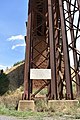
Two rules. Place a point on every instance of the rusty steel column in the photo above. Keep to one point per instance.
(73, 27)
(73, 39)
(69, 93)
(52, 53)
(27, 57)
(78, 4)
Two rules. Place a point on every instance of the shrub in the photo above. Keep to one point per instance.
(4, 83)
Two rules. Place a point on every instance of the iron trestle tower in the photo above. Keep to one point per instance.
(53, 35)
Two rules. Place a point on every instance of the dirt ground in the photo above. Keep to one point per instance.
(65, 117)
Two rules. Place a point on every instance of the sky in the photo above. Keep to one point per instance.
(13, 15)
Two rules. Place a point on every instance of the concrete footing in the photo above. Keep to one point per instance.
(25, 105)
(62, 104)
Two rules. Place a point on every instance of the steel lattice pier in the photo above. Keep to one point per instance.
(53, 34)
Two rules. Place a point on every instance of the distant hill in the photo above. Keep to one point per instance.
(12, 78)
(15, 76)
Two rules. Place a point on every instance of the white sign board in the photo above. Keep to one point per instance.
(40, 73)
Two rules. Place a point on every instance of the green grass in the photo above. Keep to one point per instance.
(72, 113)
(27, 114)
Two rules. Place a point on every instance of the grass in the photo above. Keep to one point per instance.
(69, 113)
(38, 115)
(20, 114)
(8, 107)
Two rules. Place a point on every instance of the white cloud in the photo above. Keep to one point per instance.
(16, 37)
(3, 66)
(18, 45)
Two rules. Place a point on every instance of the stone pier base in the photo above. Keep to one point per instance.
(25, 105)
(52, 105)
(62, 104)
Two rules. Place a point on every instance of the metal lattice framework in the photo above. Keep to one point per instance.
(53, 31)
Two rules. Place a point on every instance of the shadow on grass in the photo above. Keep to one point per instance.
(4, 84)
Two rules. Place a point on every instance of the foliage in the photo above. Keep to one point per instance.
(4, 83)
(17, 63)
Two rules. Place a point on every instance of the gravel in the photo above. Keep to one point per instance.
(8, 118)
(2, 117)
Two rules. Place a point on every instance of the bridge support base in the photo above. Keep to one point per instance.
(62, 104)
(26, 105)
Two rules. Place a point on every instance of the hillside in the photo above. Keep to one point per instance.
(11, 85)
(15, 76)
(12, 78)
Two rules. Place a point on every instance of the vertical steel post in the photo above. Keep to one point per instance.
(69, 93)
(73, 42)
(52, 53)
(27, 57)
(78, 1)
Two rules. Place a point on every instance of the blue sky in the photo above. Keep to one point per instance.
(13, 15)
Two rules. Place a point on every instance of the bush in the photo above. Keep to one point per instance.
(17, 63)
(4, 83)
